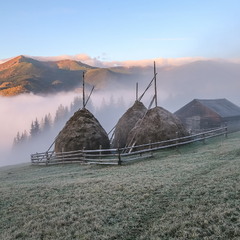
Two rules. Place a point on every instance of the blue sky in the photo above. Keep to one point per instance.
(121, 30)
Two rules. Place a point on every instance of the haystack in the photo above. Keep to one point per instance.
(127, 122)
(157, 125)
(81, 131)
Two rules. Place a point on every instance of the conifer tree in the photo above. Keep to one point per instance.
(35, 129)
(16, 140)
(61, 114)
(24, 137)
(47, 122)
(20, 138)
(75, 105)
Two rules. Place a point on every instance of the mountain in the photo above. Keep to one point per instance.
(176, 84)
(26, 75)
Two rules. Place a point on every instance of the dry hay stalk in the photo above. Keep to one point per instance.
(82, 131)
(127, 122)
(157, 125)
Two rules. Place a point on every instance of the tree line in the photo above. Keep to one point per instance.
(47, 123)
(107, 113)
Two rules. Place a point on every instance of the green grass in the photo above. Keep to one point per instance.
(192, 192)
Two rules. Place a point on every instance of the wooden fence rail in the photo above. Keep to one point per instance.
(121, 155)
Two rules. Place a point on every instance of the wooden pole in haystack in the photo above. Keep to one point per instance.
(136, 91)
(155, 84)
(83, 85)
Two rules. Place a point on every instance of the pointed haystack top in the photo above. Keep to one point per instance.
(81, 131)
(127, 122)
(157, 125)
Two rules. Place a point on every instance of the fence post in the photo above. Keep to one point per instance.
(176, 140)
(119, 157)
(150, 147)
(100, 152)
(47, 158)
(37, 157)
(226, 130)
(83, 154)
(203, 137)
(62, 154)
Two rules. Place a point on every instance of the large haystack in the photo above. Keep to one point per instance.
(127, 122)
(81, 131)
(157, 125)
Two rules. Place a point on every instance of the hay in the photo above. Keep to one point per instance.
(81, 131)
(127, 122)
(157, 125)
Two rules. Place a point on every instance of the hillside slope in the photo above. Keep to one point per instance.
(189, 193)
(27, 75)
(177, 85)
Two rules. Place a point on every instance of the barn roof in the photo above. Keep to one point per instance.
(222, 107)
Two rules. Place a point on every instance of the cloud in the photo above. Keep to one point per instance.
(149, 62)
(18, 112)
(100, 61)
(78, 57)
(176, 87)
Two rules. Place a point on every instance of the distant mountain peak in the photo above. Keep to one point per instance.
(20, 58)
(24, 74)
(16, 61)
(12, 62)
(69, 64)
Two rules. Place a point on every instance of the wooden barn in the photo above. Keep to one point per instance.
(202, 114)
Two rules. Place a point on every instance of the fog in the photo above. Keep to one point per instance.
(17, 114)
(176, 87)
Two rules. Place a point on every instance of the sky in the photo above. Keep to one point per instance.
(110, 30)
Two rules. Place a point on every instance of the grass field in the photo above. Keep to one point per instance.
(192, 192)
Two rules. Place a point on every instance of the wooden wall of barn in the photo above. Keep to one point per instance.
(197, 117)
(233, 124)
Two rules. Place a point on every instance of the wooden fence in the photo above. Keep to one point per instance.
(122, 155)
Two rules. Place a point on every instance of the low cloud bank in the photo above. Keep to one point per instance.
(176, 87)
(17, 114)
(128, 63)
(98, 62)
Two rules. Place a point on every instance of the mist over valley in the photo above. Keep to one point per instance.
(31, 89)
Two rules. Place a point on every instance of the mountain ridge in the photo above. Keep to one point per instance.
(27, 75)
(199, 79)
